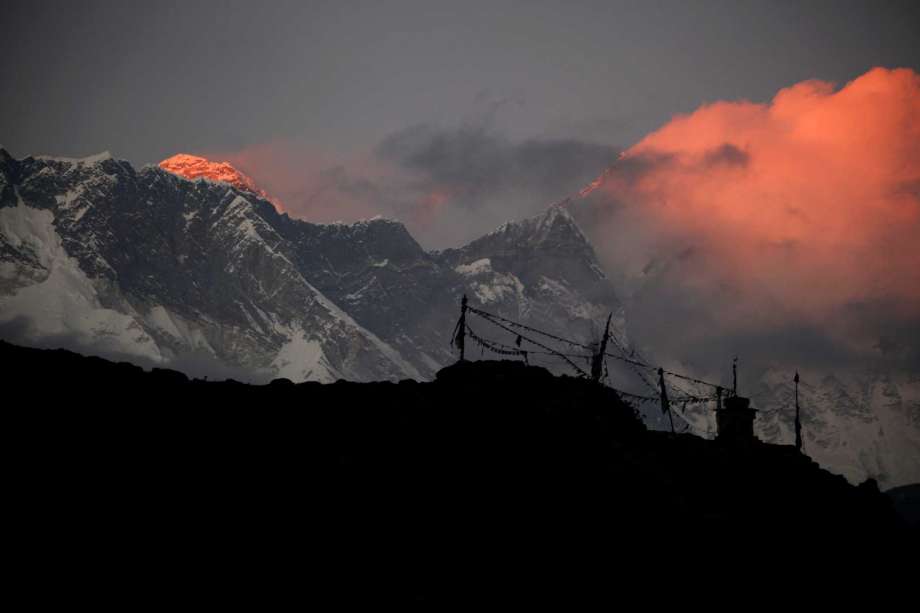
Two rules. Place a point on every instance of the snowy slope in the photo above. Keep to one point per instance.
(541, 270)
(54, 297)
(859, 424)
(142, 263)
(149, 264)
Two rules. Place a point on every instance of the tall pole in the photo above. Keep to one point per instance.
(719, 391)
(597, 364)
(798, 421)
(665, 405)
(735, 376)
(461, 334)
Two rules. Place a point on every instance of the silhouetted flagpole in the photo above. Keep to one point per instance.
(459, 336)
(735, 376)
(665, 405)
(597, 364)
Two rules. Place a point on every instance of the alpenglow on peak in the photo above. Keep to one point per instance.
(195, 167)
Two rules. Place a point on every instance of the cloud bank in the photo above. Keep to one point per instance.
(447, 184)
(790, 226)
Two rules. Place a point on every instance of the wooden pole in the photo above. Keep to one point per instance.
(597, 363)
(665, 405)
(735, 376)
(461, 332)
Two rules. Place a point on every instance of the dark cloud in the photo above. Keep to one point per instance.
(890, 329)
(471, 178)
(474, 164)
(675, 317)
(447, 184)
(469, 163)
(727, 154)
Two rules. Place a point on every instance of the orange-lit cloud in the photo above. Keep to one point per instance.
(802, 205)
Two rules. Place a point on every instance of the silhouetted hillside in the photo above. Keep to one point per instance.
(491, 456)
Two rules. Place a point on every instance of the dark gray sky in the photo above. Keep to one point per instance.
(148, 79)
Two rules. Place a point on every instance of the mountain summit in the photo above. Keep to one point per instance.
(195, 167)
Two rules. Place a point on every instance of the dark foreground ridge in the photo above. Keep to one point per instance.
(490, 457)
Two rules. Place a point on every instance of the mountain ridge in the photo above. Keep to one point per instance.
(197, 275)
(560, 439)
(205, 266)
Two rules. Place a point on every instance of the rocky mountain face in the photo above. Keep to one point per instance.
(204, 274)
(542, 268)
(152, 266)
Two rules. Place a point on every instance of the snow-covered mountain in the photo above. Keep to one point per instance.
(208, 277)
(202, 273)
(542, 270)
(862, 424)
(156, 267)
